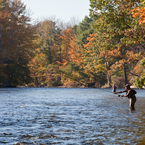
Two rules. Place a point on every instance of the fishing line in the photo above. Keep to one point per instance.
(109, 92)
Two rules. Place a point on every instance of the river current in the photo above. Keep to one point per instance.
(70, 116)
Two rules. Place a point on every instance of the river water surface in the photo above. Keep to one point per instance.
(64, 116)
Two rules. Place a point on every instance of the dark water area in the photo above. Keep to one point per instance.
(64, 116)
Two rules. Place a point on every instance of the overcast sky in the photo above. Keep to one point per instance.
(61, 9)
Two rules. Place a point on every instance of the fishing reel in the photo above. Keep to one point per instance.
(120, 95)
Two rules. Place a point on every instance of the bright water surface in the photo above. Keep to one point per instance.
(63, 116)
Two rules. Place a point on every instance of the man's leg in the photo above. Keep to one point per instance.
(132, 103)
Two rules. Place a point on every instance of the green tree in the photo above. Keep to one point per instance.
(84, 29)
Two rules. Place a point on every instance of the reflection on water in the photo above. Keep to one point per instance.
(69, 117)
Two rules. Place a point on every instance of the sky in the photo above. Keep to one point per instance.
(62, 9)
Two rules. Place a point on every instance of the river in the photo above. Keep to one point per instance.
(69, 116)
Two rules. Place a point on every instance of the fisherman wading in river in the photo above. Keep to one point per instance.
(114, 88)
(130, 93)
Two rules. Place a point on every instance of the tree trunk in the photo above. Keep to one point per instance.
(125, 76)
(0, 35)
(108, 76)
(0, 38)
(109, 79)
(37, 83)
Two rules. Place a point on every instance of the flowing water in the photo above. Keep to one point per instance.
(64, 116)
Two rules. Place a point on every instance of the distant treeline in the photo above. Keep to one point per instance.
(106, 48)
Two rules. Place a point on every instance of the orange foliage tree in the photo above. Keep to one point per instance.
(16, 42)
(139, 12)
(43, 66)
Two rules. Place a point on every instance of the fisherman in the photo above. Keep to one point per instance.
(130, 93)
(114, 88)
(120, 85)
(6, 83)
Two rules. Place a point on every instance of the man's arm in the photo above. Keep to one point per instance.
(126, 94)
(120, 92)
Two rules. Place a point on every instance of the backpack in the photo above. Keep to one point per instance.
(132, 93)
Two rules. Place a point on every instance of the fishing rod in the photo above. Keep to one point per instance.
(105, 90)
(111, 92)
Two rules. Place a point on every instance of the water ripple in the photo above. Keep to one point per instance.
(42, 116)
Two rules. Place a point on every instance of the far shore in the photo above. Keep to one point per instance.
(2, 86)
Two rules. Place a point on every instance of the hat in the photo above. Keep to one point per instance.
(127, 85)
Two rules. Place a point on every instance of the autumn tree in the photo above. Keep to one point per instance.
(15, 42)
(43, 64)
(139, 13)
(81, 67)
(116, 23)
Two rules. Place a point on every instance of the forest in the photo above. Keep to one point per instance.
(105, 48)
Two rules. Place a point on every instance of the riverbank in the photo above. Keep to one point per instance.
(2, 86)
(133, 87)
